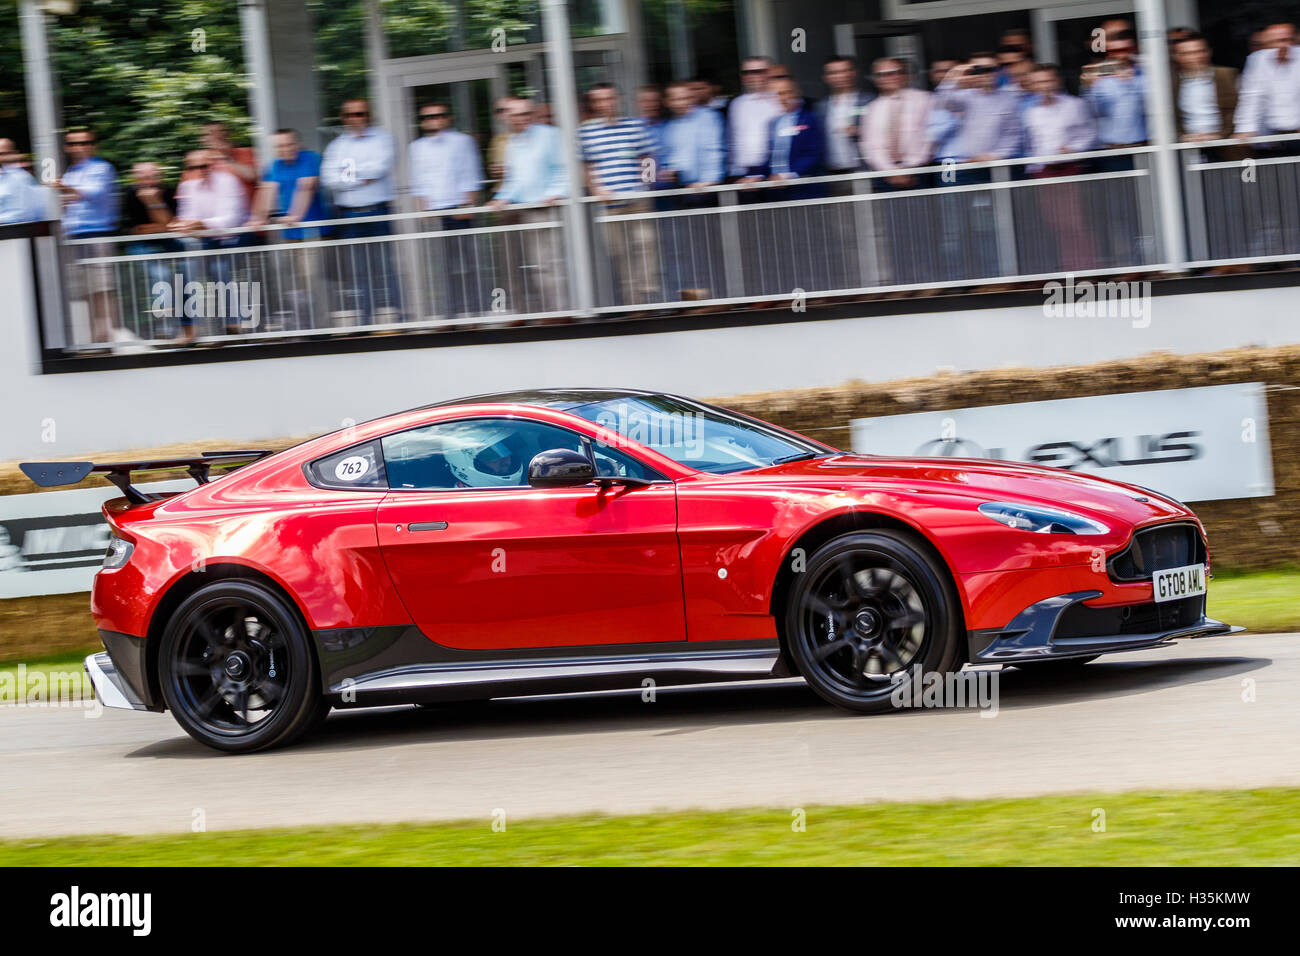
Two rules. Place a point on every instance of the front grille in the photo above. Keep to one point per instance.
(1079, 620)
(1157, 548)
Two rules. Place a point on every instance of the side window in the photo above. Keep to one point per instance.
(486, 453)
(612, 463)
(361, 466)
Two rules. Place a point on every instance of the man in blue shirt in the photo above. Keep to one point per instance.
(618, 153)
(1114, 88)
(21, 198)
(290, 193)
(91, 206)
(534, 173)
(693, 156)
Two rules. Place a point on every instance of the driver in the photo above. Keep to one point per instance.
(490, 460)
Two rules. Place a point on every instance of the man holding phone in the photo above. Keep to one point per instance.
(1115, 89)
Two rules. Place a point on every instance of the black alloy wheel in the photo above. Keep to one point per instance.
(237, 670)
(868, 610)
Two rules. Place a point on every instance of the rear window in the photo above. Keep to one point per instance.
(361, 466)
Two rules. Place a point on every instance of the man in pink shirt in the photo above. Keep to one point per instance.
(894, 124)
(211, 200)
(893, 137)
(214, 201)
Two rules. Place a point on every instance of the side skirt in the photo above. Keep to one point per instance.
(407, 667)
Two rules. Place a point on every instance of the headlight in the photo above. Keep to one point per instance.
(118, 553)
(1040, 519)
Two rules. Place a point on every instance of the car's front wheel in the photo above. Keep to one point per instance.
(868, 610)
(237, 670)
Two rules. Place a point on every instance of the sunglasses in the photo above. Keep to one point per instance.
(357, 113)
(751, 72)
(426, 116)
(199, 166)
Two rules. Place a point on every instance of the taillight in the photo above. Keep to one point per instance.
(118, 553)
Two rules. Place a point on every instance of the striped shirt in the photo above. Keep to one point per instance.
(614, 151)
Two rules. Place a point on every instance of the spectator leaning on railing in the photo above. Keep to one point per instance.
(446, 173)
(615, 149)
(693, 156)
(534, 173)
(290, 191)
(749, 117)
(1205, 96)
(1269, 102)
(1060, 124)
(22, 199)
(893, 132)
(840, 114)
(796, 146)
(91, 206)
(147, 214)
(212, 200)
(358, 170)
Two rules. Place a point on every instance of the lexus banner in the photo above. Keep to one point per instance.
(1194, 444)
(53, 542)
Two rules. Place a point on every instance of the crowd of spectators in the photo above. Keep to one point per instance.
(997, 105)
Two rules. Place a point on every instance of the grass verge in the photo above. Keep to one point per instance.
(1203, 828)
(1263, 601)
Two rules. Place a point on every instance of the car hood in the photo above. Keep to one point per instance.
(986, 480)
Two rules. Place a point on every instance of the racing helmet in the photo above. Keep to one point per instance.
(486, 459)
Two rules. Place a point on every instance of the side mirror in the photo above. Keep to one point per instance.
(560, 468)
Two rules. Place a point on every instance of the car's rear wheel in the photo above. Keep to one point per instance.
(870, 608)
(236, 668)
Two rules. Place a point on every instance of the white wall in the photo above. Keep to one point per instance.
(251, 400)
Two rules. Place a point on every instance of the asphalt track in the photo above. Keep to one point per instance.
(1167, 718)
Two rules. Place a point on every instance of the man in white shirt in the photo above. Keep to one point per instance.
(446, 173)
(358, 169)
(1270, 88)
(1058, 124)
(750, 116)
(1205, 96)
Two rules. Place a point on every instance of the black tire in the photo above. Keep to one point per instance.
(1063, 666)
(869, 605)
(237, 670)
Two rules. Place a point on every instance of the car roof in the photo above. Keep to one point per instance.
(564, 399)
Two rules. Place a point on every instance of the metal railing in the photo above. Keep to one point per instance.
(373, 273)
(1242, 203)
(955, 226)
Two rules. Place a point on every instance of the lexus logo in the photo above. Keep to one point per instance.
(952, 448)
(1101, 453)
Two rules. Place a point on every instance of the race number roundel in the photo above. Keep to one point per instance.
(352, 468)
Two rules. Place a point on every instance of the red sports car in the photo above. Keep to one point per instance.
(564, 540)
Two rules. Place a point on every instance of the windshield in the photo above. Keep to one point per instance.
(697, 435)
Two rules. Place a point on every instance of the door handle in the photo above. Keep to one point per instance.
(427, 526)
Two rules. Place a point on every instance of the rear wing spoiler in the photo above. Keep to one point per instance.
(52, 474)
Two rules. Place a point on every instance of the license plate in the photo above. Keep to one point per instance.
(1174, 584)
